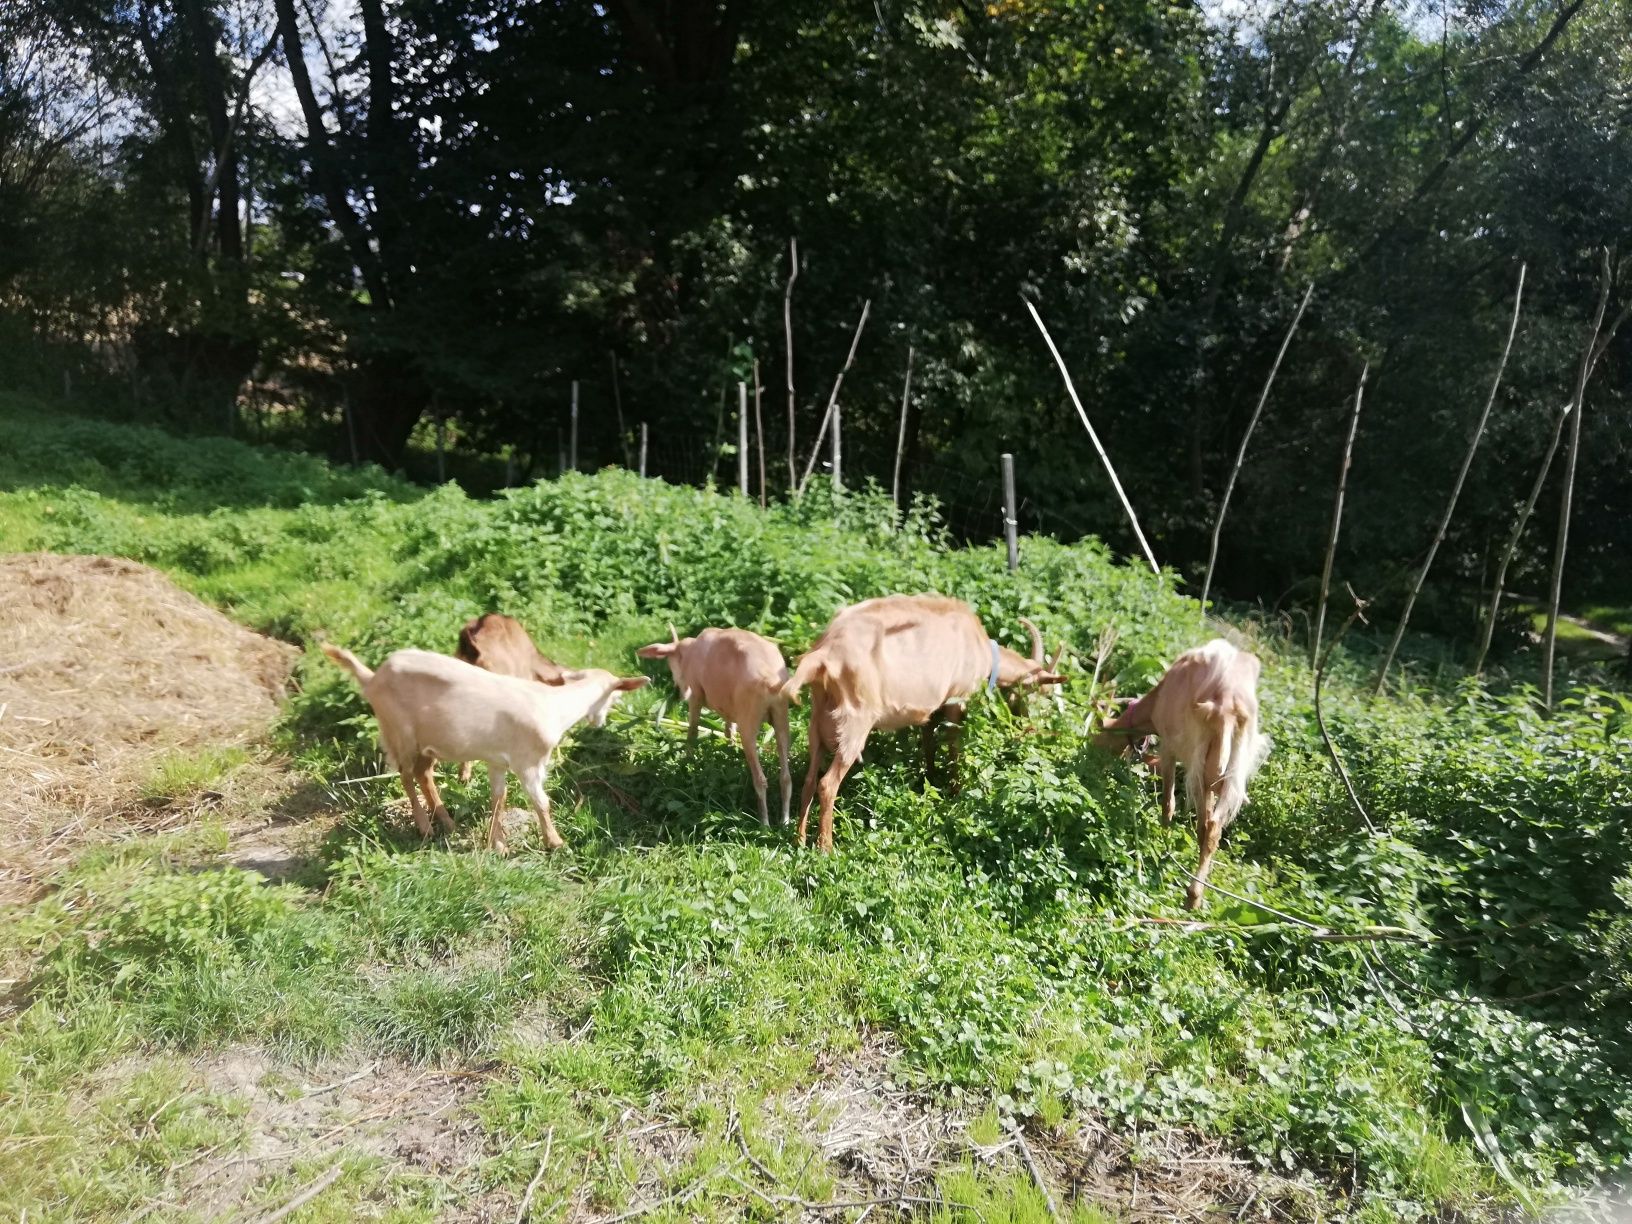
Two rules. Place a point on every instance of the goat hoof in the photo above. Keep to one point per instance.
(1193, 898)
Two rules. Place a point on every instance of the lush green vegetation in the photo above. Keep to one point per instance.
(684, 960)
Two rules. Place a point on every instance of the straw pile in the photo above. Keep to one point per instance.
(105, 665)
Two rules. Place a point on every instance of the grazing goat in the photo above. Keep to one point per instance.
(1204, 713)
(740, 675)
(497, 643)
(432, 708)
(891, 663)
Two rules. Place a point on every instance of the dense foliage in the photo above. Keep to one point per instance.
(450, 211)
(1012, 938)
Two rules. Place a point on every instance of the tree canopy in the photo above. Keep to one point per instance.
(383, 212)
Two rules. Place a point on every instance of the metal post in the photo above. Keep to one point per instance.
(838, 450)
(1011, 524)
(572, 451)
(742, 437)
(643, 450)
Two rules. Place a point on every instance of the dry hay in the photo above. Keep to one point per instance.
(106, 665)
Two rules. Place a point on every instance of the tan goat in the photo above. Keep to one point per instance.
(897, 662)
(1204, 713)
(739, 675)
(431, 707)
(498, 643)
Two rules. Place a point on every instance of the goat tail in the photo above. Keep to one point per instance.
(807, 673)
(349, 661)
(1244, 753)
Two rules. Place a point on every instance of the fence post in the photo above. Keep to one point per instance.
(742, 437)
(572, 451)
(838, 450)
(441, 449)
(1011, 523)
(643, 450)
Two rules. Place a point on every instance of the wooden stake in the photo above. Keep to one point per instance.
(838, 449)
(1550, 641)
(1241, 453)
(572, 449)
(1093, 437)
(833, 400)
(617, 404)
(643, 450)
(1011, 523)
(742, 438)
(901, 436)
(759, 434)
(787, 329)
(1456, 489)
(1337, 519)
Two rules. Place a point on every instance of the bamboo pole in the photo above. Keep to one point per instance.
(1337, 518)
(759, 433)
(901, 435)
(1241, 453)
(787, 329)
(1550, 641)
(833, 400)
(1093, 437)
(1456, 489)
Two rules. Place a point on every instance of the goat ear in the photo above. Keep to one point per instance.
(657, 650)
(628, 683)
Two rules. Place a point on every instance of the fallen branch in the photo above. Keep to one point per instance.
(1241, 452)
(532, 1186)
(1036, 1173)
(305, 1196)
(1093, 437)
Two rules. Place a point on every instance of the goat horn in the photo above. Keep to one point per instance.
(673, 635)
(1036, 640)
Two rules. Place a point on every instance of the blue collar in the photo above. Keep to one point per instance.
(992, 679)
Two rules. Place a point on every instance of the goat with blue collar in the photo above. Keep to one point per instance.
(895, 662)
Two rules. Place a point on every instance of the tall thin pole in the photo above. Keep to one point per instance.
(831, 415)
(1011, 521)
(1337, 519)
(1551, 640)
(617, 404)
(643, 450)
(1093, 437)
(1241, 454)
(742, 437)
(572, 448)
(838, 446)
(787, 329)
(759, 433)
(1456, 490)
(901, 434)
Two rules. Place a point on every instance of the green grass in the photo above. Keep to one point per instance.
(1011, 945)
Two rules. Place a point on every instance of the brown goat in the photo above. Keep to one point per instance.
(499, 644)
(1204, 713)
(740, 675)
(897, 662)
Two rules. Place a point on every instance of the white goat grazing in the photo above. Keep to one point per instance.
(431, 707)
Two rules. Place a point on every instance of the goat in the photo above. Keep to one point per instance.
(740, 675)
(499, 644)
(431, 707)
(1204, 713)
(897, 662)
